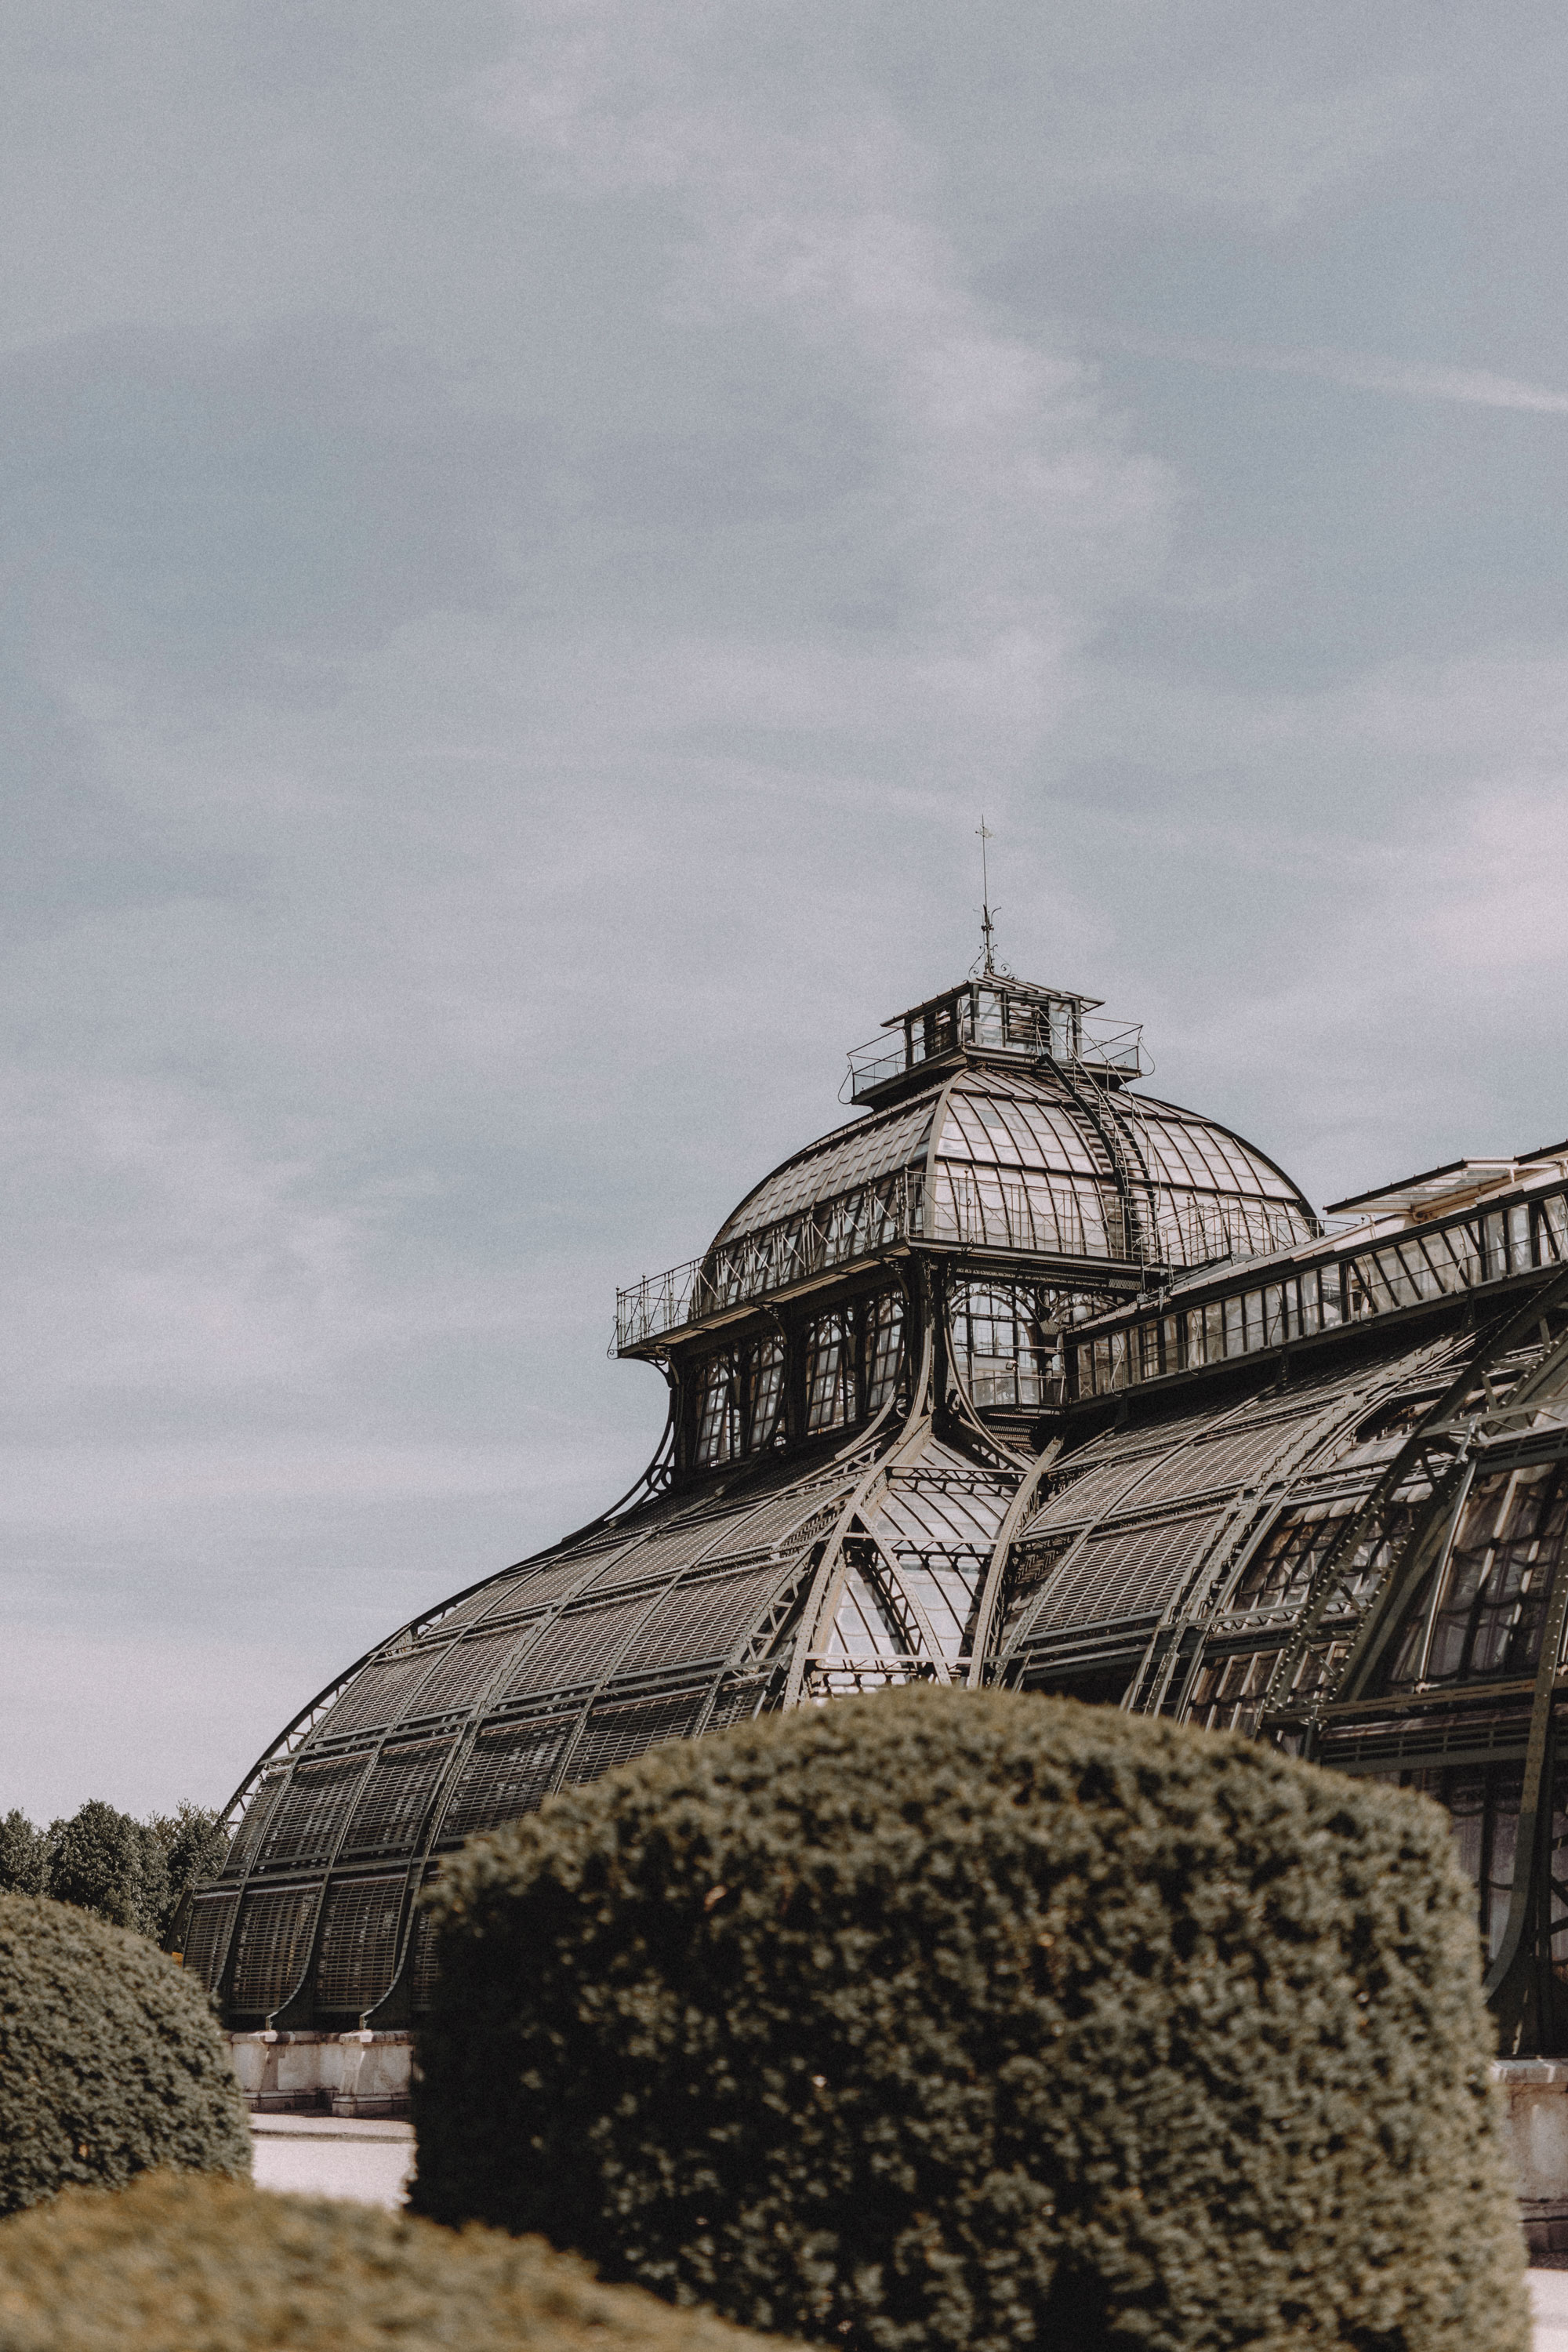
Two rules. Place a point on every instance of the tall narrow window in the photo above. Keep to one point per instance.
(884, 1348)
(1006, 1338)
(718, 1422)
(764, 1392)
(829, 1374)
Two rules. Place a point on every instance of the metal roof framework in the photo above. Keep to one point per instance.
(1314, 1490)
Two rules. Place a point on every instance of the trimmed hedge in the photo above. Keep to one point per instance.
(174, 2264)
(110, 2059)
(967, 2019)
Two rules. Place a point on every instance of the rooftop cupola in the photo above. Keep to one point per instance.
(992, 1017)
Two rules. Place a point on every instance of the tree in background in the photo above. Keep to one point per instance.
(134, 1874)
(194, 1842)
(24, 1855)
(102, 1861)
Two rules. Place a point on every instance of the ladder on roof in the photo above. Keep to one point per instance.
(1127, 1162)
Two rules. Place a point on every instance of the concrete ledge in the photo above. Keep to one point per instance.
(347, 2128)
(360, 2074)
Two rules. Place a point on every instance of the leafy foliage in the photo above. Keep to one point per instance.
(102, 1861)
(24, 1855)
(132, 1873)
(194, 1842)
(110, 2059)
(184, 2265)
(951, 2021)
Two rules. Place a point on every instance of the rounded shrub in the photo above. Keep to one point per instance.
(174, 2264)
(110, 2059)
(970, 2019)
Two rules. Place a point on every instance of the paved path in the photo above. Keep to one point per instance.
(1549, 2293)
(331, 2156)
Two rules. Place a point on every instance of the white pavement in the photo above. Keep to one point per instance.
(333, 2156)
(1549, 2293)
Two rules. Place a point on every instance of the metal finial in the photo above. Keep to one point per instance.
(987, 926)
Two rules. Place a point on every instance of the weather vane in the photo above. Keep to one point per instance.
(987, 965)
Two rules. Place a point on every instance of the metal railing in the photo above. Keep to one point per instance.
(1105, 1049)
(855, 1224)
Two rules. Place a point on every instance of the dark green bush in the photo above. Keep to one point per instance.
(972, 2021)
(183, 2265)
(110, 2059)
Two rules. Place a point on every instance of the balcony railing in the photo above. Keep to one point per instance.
(1103, 1049)
(776, 1257)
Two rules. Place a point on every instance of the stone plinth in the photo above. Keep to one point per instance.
(325, 2073)
(1535, 2092)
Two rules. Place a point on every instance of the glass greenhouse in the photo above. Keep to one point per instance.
(1022, 1376)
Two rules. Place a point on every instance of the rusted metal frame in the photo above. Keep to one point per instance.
(298, 2006)
(1439, 1424)
(1271, 1497)
(1426, 1550)
(688, 1572)
(1147, 1464)
(1091, 1101)
(821, 1600)
(879, 1670)
(778, 1257)
(1507, 1983)
(462, 1742)
(991, 1587)
(907, 1613)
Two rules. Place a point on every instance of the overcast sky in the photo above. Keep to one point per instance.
(532, 533)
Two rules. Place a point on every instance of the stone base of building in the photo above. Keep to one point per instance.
(324, 2074)
(1535, 2094)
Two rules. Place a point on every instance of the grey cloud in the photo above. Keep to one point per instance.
(535, 533)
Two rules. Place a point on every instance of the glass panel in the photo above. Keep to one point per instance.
(1552, 1229)
(1489, 1616)
(765, 1369)
(717, 1411)
(1519, 1237)
(999, 1338)
(884, 1349)
(359, 1942)
(829, 1374)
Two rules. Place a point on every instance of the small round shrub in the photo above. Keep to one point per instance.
(110, 2059)
(951, 2021)
(175, 2265)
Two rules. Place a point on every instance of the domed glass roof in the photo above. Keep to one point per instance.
(1016, 1154)
(860, 1369)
